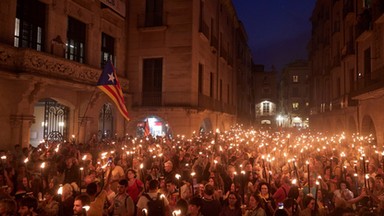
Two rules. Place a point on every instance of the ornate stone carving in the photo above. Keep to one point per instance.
(34, 62)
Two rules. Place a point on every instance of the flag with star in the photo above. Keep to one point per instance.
(146, 128)
(110, 85)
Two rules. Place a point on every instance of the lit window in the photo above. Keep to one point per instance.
(295, 78)
(295, 106)
(265, 107)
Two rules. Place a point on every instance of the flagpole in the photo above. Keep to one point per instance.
(85, 112)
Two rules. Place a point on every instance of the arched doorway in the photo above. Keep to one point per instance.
(205, 126)
(51, 122)
(156, 127)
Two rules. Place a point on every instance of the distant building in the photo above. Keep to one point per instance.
(294, 95)
(266, 99)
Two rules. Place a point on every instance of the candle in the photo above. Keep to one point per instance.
(193, 183)
(142, 172)
(309, 178)
(364, 171)
(178, 183)
(317, 189)
(81, 173)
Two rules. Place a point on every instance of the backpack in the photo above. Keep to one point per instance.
(155, 206)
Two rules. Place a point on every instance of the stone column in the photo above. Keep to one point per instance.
(86, 129)
(20, 129)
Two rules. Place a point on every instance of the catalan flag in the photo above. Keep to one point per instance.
(110, 85)
(146, 128)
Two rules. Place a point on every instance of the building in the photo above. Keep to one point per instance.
(294, 92)
(183, 63)
(177, 63)
(346, 56)
(266, 97)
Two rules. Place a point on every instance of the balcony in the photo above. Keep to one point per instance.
(370, 81)
(31, 62)
(179, 99)
(204, 29)
(206, 102)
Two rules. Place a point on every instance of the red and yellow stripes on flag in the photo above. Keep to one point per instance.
(110, 85)
(146, 128)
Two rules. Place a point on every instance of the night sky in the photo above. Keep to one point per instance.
(278, 30)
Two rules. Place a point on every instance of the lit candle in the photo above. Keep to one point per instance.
(317, 189)
(81, 174)
(193, 183)
(309, 177)
(178, 183)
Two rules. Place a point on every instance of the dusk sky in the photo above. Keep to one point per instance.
(278, 30)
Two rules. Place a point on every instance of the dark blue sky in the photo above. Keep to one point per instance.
(278, 30)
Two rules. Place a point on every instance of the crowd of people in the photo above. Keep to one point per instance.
(240, 172)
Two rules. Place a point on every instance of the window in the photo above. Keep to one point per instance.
(30, 24)
(295, 92)
(295, 106)
(266, 107)
(75, 47)
(152, 75)
(107, 48)
(295, 78)
(154, 13)
(201, 78)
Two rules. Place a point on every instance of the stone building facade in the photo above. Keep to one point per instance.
(346, 55)
(175, 60)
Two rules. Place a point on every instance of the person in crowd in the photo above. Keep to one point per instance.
(194, 207)
(71, 171)
(50, 206)
(66, 201)
(229, 178)
(309, 206)
(7, 207)
(153, 194)
(28, 206)
(122, 204)
(282, 192)
(182, 206)
(81, 205)
(113, 174)
(267, 201)
(255, 206)
(169, 172)
(210, 206)
(135, 186)
(232, 206)
(294, 195)
(343, 191)
(98, 197)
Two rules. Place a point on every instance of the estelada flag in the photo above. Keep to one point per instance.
(146, 128)
(110, 85)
